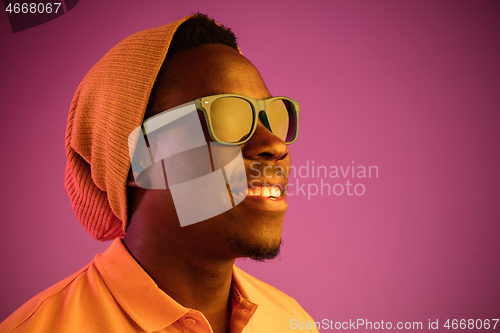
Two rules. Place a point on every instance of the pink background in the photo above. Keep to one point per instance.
(412, 87)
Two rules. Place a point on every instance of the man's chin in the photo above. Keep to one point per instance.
(258, 251)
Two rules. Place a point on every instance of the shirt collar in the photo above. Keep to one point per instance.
(135, 291)
(242, 308)
(145, 303)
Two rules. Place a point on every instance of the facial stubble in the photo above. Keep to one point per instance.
(255, 250)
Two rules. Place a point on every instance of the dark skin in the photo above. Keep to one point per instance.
(193, 264)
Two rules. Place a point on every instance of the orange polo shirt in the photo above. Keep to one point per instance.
(114, 294)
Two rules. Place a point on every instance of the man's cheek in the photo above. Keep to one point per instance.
(204, 178)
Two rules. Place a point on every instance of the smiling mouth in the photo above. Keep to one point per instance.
(270, 192)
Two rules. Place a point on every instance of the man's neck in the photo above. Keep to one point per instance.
(191, 280)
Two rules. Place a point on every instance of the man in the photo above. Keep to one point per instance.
(167, 275)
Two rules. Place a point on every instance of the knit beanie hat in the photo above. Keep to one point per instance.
(109, 103)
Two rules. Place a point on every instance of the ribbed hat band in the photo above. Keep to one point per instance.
(109, 103)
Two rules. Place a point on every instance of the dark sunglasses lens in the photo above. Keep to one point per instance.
(281, 117)
(231, 119)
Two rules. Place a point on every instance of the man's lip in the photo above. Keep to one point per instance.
(263, 203)
(275, 189)
(261, 191)
(281, 183)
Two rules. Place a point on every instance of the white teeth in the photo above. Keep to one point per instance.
(275, 192)
(265, 191)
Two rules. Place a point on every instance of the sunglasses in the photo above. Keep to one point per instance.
(232, 119)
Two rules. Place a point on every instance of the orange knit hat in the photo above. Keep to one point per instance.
(109, 103)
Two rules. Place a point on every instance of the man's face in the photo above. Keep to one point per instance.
(252, 228)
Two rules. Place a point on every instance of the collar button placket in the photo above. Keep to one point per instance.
(194, 322)
(189, 321)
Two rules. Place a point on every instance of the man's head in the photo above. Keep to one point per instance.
(252, 228)
(139, 77)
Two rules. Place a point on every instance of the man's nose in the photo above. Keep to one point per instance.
(264, 145)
